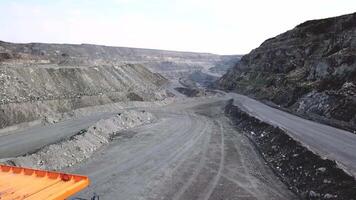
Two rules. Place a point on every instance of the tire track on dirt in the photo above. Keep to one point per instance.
(215, 181)
(193, 177)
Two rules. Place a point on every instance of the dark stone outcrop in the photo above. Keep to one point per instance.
(310, 70)
(307, 174)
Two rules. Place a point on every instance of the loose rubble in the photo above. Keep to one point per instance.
(81, 146)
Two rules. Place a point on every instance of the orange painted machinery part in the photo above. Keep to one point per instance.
(17, 183)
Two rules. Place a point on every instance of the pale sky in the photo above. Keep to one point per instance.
(215, 26)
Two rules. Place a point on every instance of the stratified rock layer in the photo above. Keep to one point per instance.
(311, 70)
(32, 92)
(171, 64)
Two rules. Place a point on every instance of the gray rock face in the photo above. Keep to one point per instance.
(48, 82)
(37, 79)
(31, 91)
(310, 70)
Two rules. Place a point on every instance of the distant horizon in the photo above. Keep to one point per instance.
(182, 51)
(222, 27)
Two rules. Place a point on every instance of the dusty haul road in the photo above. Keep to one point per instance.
(191, 152)
(326, 141)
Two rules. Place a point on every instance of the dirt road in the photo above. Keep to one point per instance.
(191, 152)
(326, 141)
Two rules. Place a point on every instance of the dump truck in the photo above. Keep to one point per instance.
(18, 183)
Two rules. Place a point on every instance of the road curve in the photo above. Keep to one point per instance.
(191, 152)
(326, 141)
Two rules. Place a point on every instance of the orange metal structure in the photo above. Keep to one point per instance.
(17, 183)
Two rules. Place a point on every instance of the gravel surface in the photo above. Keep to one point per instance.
(191, 152)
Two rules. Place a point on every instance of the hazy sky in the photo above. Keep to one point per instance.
(216, 26)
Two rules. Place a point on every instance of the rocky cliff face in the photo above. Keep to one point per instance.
(310, 70)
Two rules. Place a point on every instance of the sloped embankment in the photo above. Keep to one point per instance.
(310, 70)
(31, 92)
(73, 150)
(306, 173)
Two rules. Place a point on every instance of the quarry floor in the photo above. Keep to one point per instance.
(191, 152)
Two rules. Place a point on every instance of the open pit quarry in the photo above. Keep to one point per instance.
(40, 92)
(171, 64)
(151, 124)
